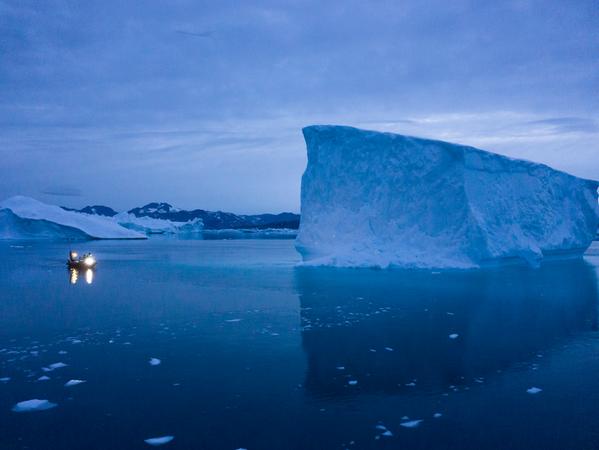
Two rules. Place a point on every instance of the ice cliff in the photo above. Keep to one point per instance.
(149, 225)
(26, 218)
(382, 199)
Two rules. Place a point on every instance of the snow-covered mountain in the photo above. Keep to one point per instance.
(382, 199)
(98, 210)
(217, 220)
(211, 220)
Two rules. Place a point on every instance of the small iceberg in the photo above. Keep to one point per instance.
(534, 390)
(159, 440)
(58, 365)
(411, 423)
(5, 379)
(154, 361)
(352, 382)
(33, 405)
(453, 336)
(73, 383)
(43, 378)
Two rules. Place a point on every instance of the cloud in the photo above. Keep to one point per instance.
(62, 191)
(200, 34)
(559, 125)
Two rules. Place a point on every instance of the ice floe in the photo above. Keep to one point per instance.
(411, 423)
(51, 367)
(154, 361)
(73, 383)
(33, 405)
(453, 336)
(159, 440)
(534, 390)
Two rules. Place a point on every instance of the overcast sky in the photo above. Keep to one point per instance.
(201, 103)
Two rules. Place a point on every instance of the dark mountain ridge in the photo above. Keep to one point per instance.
(213, 220)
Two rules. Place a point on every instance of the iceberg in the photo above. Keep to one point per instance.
(381, 199)
(149, 225)
(33, 405)
(27, 218)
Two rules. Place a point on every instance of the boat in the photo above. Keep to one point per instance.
(87, 261)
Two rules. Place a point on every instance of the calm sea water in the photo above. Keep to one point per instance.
(257, 353)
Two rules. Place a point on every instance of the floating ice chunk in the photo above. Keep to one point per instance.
(51, 367)
(5, 379)
(23, 217)
(387, 434)
(352, 382)
(73, 383)
(159, 440)
(233, 320)
(76, 341)
(43, 378)
(411, 423)
(453, 336)
(340, 367)
(62, 352)
(437, 415)
(58, 365)
(534, 390)
(381, 427)
(389, 349)
(411, 384)
(33, 405)
(154, 361)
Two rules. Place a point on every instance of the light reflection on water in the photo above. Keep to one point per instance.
(74, 275)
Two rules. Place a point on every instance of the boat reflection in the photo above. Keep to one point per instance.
(395, 331)
(74, 275)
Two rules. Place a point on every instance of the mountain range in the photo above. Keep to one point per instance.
(213, 220)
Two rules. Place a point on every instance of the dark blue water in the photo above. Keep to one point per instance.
(257, 353)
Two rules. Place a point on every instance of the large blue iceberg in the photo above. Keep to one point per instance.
(381, 199)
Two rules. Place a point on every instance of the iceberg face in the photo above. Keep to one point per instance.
(381, 199)
(149, 225)
(26, 218)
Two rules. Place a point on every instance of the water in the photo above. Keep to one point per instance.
(257, 353)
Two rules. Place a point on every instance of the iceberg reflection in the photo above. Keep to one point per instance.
(394, 331)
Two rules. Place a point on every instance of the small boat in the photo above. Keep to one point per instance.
(87, 261)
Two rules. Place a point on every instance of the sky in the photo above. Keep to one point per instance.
(201, 103)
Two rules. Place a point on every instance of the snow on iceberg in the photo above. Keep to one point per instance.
(26, 218)
(382, 199)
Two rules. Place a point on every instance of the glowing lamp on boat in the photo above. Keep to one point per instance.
(89, 261)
